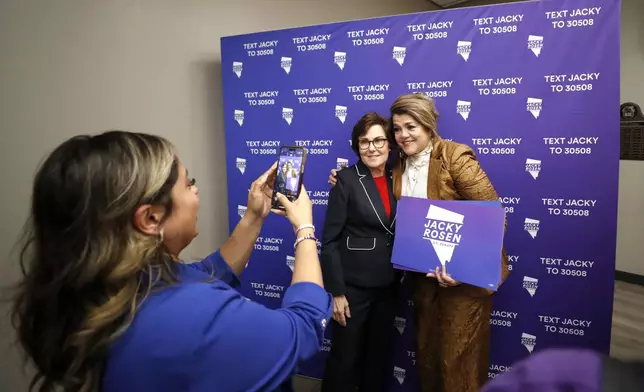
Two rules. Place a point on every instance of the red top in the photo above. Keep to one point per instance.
(383, 189)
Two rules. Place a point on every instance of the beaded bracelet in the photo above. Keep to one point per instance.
(304, 227)
(306, 237)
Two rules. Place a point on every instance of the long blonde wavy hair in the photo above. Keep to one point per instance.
(85, 267)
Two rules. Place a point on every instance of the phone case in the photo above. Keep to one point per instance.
(275, 203)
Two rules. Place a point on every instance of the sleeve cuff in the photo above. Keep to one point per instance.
(336, 291)
(222, 270)
(311, 294)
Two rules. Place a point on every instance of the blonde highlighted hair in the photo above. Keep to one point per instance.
(420, 108)
(85, 267)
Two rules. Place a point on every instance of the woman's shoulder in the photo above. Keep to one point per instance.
(181, 307)
(191, 289)
(167, 330)
(183, 301)
(450, 147)
(450, 151)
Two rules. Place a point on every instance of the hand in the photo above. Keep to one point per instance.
(299, 212)
(332, 177)
(341, 310)
(261, 193)
(444, 280)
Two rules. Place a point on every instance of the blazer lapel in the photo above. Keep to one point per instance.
(392, 197)
(396, 175)
(433, 179)
(373, 196)
(434, 172)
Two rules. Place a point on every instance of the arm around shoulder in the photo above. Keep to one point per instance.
(246, 346)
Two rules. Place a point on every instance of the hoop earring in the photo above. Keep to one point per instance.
(161, 237)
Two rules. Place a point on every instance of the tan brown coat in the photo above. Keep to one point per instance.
(452, 323)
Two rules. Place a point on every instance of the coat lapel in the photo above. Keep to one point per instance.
(434, 172)
(393, 201)
(433, 179)
(397, 173)
(373, 196)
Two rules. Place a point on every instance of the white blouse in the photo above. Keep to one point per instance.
(415, 176)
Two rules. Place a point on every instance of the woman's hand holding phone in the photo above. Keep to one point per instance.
(307, 263)
(261, 192)
(298, 212)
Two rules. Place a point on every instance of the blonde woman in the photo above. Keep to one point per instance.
(105, 303)
(452, 319)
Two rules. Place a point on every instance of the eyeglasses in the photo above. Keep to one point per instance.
(377, 143)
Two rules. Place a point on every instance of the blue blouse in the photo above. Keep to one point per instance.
(206, 337)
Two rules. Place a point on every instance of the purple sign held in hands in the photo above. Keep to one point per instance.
(465, 237)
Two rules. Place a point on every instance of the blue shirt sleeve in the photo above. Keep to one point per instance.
(216, 265)
(245, 346)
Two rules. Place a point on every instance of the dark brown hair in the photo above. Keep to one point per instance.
(364, 124)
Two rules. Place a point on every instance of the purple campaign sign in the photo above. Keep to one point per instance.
(466, 238)
(405, 268)
(531, 86)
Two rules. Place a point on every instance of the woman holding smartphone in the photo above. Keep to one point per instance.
(452, 319)
(105, 303)
(356, 263)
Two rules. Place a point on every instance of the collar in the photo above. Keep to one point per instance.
(422, 158)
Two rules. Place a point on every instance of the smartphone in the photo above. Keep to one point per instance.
(290, 172)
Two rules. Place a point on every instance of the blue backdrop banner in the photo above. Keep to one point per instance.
(532, 87)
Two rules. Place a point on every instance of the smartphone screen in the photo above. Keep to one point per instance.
(290, 169)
